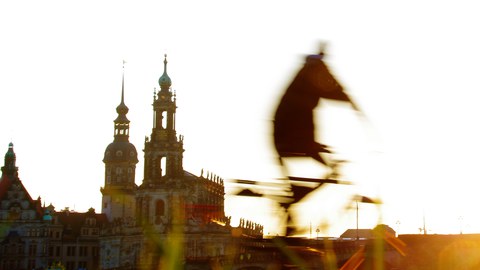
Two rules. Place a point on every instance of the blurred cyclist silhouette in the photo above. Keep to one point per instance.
(294, 128)
(294, 133)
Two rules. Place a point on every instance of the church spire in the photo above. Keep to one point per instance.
(123, 80)
(122, 123)
(118, 194)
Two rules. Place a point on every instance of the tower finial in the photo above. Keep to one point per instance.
(123, 79)
(121, 127)
(165, 64)
(164, 81)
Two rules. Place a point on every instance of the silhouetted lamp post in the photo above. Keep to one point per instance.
(362, 199)
(356, 202)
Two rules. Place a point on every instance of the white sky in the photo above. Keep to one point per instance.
(412, 67)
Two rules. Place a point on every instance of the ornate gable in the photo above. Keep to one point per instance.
(16, 204)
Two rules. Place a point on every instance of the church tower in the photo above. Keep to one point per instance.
(164, 151)
(10, 169)
(118, 200)
(163, 172)
(15, 201)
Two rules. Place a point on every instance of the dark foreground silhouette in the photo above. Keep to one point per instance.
(293, 126)
(294, 132)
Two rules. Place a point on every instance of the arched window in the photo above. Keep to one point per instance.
(164, 120)
(163, 166)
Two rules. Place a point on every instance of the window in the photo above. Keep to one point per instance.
(164, 120)
(163, 166)
(82, 251)
(70, 265)
(82, 265)
(31, 264)
(71, 251)
(32, 249)
(91, 221)
(94, 251)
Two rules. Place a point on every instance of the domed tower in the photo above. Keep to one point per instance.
(164, 151)
(118, 200)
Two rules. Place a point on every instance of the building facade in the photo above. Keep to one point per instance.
(173, 218)
(33, 236)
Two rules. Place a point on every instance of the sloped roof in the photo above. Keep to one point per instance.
(362, 233)
(6, 183)
(74, 221)
(189, 175)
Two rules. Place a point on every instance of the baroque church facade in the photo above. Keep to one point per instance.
(173, 219)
